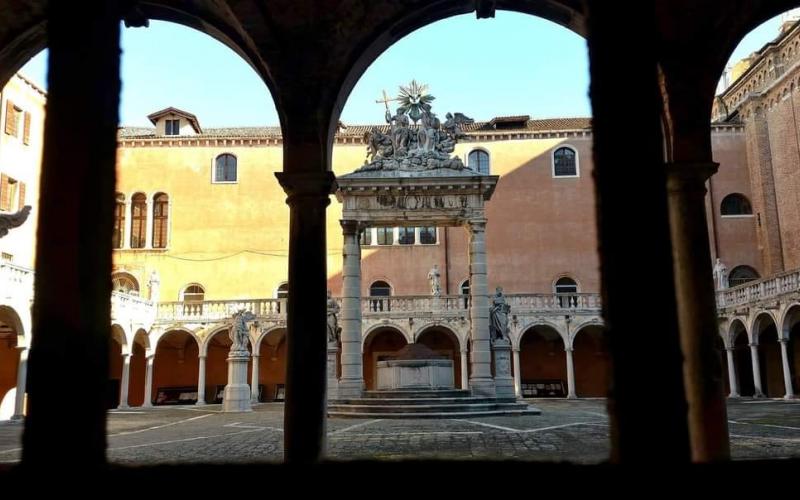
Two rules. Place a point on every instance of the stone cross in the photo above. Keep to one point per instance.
(385, 100)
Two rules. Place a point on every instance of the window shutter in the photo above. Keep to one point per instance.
(21, 195)
(10, 122)
(26, 131)
(5, 193)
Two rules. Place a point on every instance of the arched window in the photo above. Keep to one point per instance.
(380, 289)
(565, 162)
(478, 160)
(735, 204)
(465, 292)
(138, 220)
(566, 290)
(160, 220)
(283, 291)
(225, 168)
(118, 235)
(124, 283)
(193, 293)
(740, 275)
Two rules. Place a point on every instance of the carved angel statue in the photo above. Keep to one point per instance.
(452, 125)
(239, 332)
(10, 221)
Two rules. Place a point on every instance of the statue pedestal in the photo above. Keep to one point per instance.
(419, 374)
(237, 392)
(333, 380)
(503, 381)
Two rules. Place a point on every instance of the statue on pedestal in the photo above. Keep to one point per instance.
(498, 317)
(433, 278)
(240, 332)
(333, 321)
(720, 275)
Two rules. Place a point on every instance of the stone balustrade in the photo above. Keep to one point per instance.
(132, 308)
(774, 287)
(15, 281)
(217, 310)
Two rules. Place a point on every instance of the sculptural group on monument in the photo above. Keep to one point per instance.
(424, 145)
(240, 332)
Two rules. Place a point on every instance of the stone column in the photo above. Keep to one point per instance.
(148, 383)
(351, 384)
(201, 381)
(570, 375)
(308, 185)
(697, 310)
(504, 383)
(756, 371)
(123, 386)
(464, 370)
(22, 377)
(733, 380)
(254, 380)
(333, 381)
(481, 382)
(517, 375)
(787, 373)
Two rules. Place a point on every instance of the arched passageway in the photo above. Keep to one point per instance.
(769, 356)
(543, 364)
(444, 342)
(115, 362)
(138, 369)
(742, 359)
(10, 335)
(791, 332)
(591, 361)
(378, 345)
(175, 369)
(719, 348)
(272, 366)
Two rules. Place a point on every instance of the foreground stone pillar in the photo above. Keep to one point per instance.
(123, 386)
(351, 384)
(464, 370)
(71, 309)
(504, 383)
(517, 375)
(237, 395)
(756, 371)
(307, 307)
(333, 381)
(480, 382)
(787, 373)
(570, 375)
(148, 383)
(697, 312)
(732, 378)
(22, 378)
(254, 380)
(201, 380)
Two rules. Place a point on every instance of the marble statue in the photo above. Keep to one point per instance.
(239, 332)
(433, 278)
(498, 316)
(333, 320)
(398, 130)
(720, 275)
(155, 285)
(428, 136)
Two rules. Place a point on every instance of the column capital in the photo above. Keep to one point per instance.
(350, 227)
(569, 349)
(476, 225)
(753, 344)
(689, 176)
(313, 185)
(202, 356)
(783, 340)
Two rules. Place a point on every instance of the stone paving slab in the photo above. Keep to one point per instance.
(567, 430)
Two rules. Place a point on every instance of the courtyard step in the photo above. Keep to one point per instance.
(449, 414)
(414, 401)
(402, 394)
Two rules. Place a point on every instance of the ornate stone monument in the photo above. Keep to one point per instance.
(415, 367)
(410, 179)
(237, 393)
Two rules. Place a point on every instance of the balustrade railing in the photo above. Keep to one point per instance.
(213, 310)
(132, 306)
(15, 281)
(753, 291)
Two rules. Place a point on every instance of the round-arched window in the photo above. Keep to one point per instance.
(380, 289)
(225, 168)
(193, 293)
(283, 291)
(736, 204)
(124, 283)
(565, 162)
(740, 275)
(566, 285)
(478, 160)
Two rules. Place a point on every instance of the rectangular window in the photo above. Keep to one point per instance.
(172, 127)
(9, 191)
(427, 235)
(7, 257)
(366, 236)
(138, 223)
(119, 225)
(26, 129)
(160, 211)
(12, 119)
(385, 235)
(406, 235)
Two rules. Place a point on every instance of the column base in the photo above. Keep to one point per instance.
(734, 396)
(483, 387)
(350, 389)
(572, 396)
(123, 407)
(236, 398)
(200, 403)
(790, 396)
(17, 418)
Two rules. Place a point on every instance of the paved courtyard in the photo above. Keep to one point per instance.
(574, 431)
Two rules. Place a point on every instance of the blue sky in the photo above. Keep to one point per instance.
(513, 64)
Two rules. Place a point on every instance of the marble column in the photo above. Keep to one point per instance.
(254, 380)
(123, 386)
(480, 382)
(464, 370)
(351, 383)
(756, 371)
(787, 373)
(148, 383)
(570, 375)
(517, 375)
(22, 377)
(733, 380)
(201, 381)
